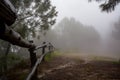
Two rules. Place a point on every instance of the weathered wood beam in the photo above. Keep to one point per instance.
(7, 12)
(15, 38)
(39, 60)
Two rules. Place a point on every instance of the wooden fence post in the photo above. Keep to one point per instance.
(43, 50)
(33, 59)
(49, 48)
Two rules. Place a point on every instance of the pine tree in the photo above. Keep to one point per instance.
(108, 5)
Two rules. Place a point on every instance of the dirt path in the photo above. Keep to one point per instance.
(66, 68)
(71, 67)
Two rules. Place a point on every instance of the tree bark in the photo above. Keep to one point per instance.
(15, 38)
(5, 58)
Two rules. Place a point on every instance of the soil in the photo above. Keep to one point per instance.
(68, 68)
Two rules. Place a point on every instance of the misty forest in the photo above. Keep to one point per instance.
(59, 40)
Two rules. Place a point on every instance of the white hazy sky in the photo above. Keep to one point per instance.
(86, 13)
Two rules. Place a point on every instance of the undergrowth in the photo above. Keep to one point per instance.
(11, 60)
(51, 55)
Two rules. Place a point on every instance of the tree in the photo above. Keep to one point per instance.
(113, 43)
(108, 5)
(116, 31)
(71, 35)
(33, 15)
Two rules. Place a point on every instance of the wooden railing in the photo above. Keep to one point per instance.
(8, 34)
(35, 62)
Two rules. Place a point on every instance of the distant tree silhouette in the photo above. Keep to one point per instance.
(116, 31)
(73, 36)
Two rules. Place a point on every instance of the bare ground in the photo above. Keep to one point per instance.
(73, 68)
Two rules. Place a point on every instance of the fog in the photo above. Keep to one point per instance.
(86, 13)
(82, 27)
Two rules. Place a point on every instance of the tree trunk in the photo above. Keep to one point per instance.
(5, 58)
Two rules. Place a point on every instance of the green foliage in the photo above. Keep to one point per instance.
(51, 55)
(116, 62)
(34, 15)
(108, 5)
(12, 59)
(48, 57)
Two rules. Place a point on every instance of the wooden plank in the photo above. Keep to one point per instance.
(33, 59)
(35, 67)
(15, 38)
(7, 12)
